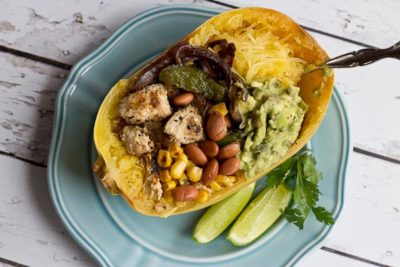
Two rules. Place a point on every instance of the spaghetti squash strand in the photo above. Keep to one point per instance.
(260, 55)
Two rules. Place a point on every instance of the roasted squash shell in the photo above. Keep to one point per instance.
(124, 174)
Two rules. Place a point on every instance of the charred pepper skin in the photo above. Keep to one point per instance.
(193, 80)
(183, 52)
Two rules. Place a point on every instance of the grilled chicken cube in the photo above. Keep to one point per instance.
(137, 140)
(155, 186)
(185, 126)
(149, 104)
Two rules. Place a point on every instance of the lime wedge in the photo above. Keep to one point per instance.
(262, 212)
(217, 218)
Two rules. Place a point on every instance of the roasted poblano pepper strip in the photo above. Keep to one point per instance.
(232, 137)
(193, 80)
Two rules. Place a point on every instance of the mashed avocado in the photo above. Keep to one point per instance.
(272, 118)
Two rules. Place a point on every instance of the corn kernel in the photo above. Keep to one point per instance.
(164, 159)
(175, 150)
(183, 177)
(202, 196)
(194, 173)
(223, 179)
(183, 157)
(233, 179)
(183, 182)
(190, 164)
(220, 108)
(165, 176)
(215, 186)
(169, 185)
(178, 168)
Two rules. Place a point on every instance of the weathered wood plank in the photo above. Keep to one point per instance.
(30, 231)
(372, 94)
(327, 259)
(3, 264)
(368, 226)
(372, 22)
(27, 91)
(67, 30)
(375, 134)
(31, 234)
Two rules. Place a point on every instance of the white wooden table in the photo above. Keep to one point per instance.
(39, 42)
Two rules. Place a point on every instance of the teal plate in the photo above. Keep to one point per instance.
(104, 225)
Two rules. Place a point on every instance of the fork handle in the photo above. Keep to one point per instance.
(364, 57)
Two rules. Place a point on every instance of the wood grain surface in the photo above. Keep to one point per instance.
(39, 42)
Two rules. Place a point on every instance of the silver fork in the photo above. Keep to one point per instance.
(363, 57)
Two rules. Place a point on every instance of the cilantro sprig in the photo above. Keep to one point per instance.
(300, 175)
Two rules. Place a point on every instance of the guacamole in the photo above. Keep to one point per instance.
(271, 119)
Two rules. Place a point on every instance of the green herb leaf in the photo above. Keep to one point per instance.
(323, 215)
(309, 167)
(277, 175)
(310, 192)
(294, 216)
(290, 180)
(301, 176)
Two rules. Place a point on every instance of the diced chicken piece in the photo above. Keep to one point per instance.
(137, 140)
(156, 132)
(149, 104)
(155, 187)
(185, 126)
(203, 187)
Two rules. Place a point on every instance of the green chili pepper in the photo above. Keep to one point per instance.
(193, 80)
(232, 137)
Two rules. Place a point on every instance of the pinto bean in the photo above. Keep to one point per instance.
(216, 127)
(210, 148)
(185, 193)
(229, 151)
(210, 171)
(196, 155)
(229, 166)
(183, 99)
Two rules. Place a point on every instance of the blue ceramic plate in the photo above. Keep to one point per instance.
(104, 225)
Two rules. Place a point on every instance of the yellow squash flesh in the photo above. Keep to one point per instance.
(124, 174)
